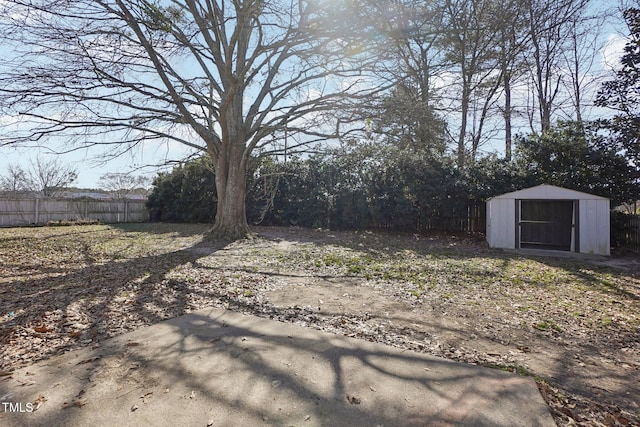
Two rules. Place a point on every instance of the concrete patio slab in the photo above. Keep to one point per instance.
(220, 368)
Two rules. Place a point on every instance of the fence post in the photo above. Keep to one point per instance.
(37, 219)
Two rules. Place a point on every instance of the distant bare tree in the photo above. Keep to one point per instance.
(473, 29)
(121, 185)
(49, 177)
(552, 25)
(14, 179)
(581, 57)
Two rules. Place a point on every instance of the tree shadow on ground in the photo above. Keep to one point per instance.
(85, 305)
(241, 369)
(180, 229)
(593, 361)
(80, 303)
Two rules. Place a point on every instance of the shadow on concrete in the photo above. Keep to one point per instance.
(225, 368)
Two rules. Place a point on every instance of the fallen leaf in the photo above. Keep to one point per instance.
(567, 412)
(42, 329)
(76, 402)
(354, 400)
(132, 344)
(89, 360)
(39, 402)
(23, 383)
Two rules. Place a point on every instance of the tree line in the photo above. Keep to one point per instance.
(49, 177)
(365, 185)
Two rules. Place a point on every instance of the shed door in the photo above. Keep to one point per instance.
(546, 224)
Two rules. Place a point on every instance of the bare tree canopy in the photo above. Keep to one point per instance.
(225, 78)
(45, 176)
(14, 180)
(123, 185)
(490, 68)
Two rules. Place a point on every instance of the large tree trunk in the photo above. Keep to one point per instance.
(506, 76)
(230, 163)
(231, 219)
(231, 186)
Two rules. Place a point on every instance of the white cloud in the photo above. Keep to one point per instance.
(6, 121)
(612, 51)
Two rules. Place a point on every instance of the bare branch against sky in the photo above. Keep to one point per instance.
(122, 72)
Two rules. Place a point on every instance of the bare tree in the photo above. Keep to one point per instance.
(122, 185)
(581, 56)
(492, 46)
(415, 60)
(48, 177)
(513, 38)
(225, 78)
(550, 27)
(14, 179)
(472, 41)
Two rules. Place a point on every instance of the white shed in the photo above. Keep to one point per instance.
(550, 218)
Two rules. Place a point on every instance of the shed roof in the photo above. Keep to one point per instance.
(549, 192)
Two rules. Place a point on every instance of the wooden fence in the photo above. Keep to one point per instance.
(627, 233)
(474, 221)
(39, 211)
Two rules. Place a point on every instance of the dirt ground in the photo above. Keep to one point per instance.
(572, 324)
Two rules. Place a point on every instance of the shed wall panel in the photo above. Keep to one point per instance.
(594, 227)
(501, 223)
